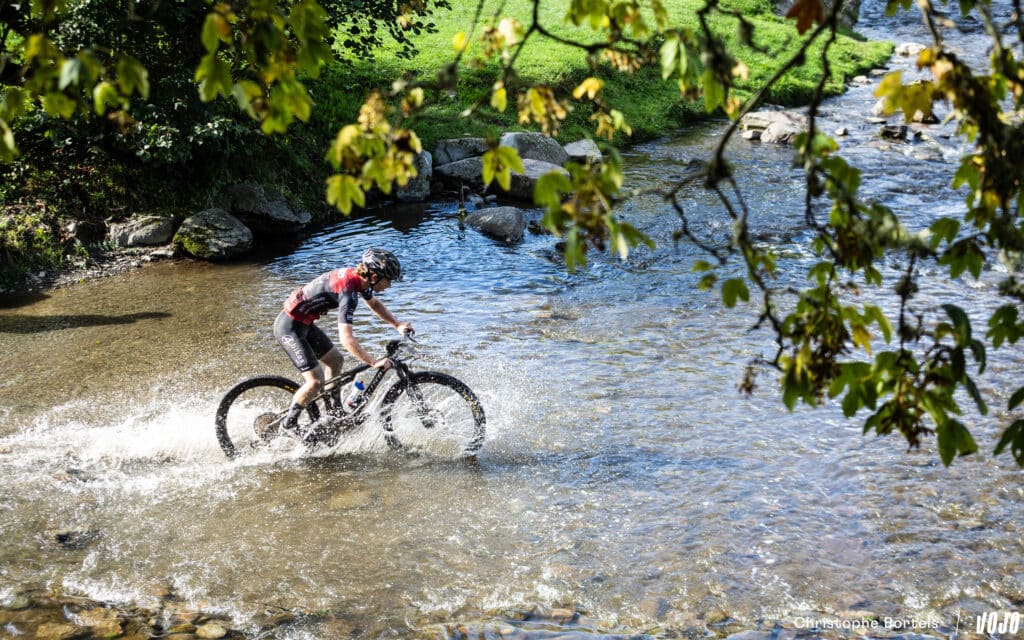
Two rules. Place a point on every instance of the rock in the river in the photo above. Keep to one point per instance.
(213, 234)
(584, 151)
(455, 149)
(503, 223)
(523, 184)
(418, 188)
(61, 631)
(779, 127)
(211, 631)
(535, 146)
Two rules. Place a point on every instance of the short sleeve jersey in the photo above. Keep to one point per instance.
(331, 290)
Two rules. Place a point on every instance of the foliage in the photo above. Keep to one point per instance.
(258, 54)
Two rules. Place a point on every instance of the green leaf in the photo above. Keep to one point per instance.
(133, 77)
(669, 56)
(972, 390)
(214, 78)
(70, 73)
(574, 250)
(733, 289)
(549, 189)
(58, 104)
(1016, 399)
(105, 95)
(954, 439)
(215, 30)
(1014, 438)
(961, 323)
(343, 191)
(944, 229)
(700, 266)
(714, 92)
(8, 150)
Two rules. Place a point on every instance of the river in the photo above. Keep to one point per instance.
(623, 478)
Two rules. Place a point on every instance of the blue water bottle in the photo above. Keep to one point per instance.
(355, 397)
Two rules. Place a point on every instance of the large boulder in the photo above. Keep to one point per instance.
(584, 151)
(418, 188)
(467, 171)
(779, 127)
(523, 184)
(142, 231)
(455, 149)
(502, 223)
(213, 234)
(263, 210)
(535, 146)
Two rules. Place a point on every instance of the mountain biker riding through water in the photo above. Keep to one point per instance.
(308, 346)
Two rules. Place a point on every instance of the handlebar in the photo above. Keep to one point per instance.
(394, 345)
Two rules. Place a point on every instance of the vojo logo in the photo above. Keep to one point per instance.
(998, 622)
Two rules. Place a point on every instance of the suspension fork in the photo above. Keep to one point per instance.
(416, 396)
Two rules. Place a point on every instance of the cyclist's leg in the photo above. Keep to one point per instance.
(293, 337)
(329, 356)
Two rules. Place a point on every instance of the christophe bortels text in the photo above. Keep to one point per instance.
(893, 624)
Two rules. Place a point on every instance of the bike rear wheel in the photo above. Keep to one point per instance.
(435, 414)
(252, 413)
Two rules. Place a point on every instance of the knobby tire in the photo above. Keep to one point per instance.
(231, 436)
(461, 416)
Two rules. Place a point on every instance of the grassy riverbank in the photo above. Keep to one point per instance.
(74, 178)
(652, 107)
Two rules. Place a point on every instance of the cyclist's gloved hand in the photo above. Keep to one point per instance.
(406, 328)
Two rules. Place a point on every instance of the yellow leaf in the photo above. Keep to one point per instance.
(862, 337)
(460, 41)
(589, 87)
(806, 12)
(499, 98)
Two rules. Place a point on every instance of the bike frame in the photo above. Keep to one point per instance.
(345, 377)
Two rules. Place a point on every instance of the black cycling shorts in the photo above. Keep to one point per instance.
(305, 344)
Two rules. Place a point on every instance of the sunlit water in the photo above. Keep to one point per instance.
(623, 475)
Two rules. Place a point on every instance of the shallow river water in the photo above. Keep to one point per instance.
(623, 476)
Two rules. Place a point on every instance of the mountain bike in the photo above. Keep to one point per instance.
(421, 412)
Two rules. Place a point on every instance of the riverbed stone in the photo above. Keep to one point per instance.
(263, 209)
(535, 146)
(894, 132)
(751, 635)
(467, 172)
(455, 149)
(523, 184)
(145, 230)
(61, 631)
(211, 631)
(776, 127)
(105, 623)
(213, 234)
(502, 223)
(418, 188)
(909, 49)
(584, 151)
(763, 119)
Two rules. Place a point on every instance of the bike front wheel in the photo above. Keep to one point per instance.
(435, 414)
(252, 413)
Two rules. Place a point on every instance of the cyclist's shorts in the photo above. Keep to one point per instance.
(305, 344)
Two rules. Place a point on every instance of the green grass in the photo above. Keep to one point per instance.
(652, 107)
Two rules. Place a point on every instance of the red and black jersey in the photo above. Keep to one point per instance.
(337, 288)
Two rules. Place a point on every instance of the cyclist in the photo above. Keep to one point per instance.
(308, 346)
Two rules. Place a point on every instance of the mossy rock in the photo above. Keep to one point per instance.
(213, 234)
